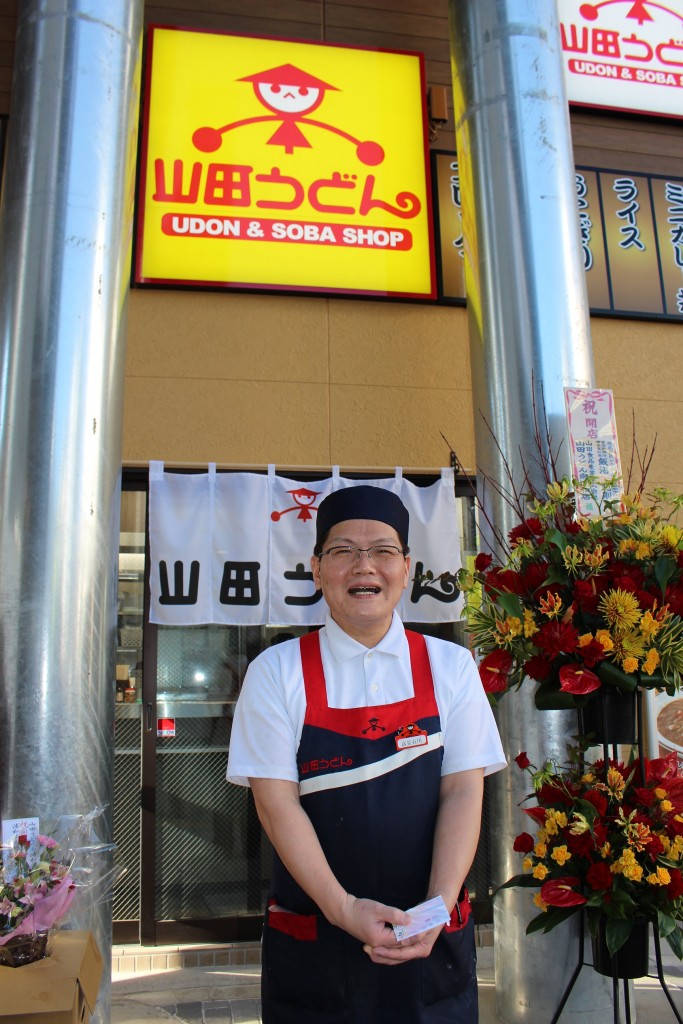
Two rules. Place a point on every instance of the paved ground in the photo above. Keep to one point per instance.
(230, 995)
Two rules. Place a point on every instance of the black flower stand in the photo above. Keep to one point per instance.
(616, 974)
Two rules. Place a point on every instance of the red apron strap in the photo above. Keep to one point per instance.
(312, 667)
(423, 683)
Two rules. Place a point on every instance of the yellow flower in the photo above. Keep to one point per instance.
(630, 665)
(659, 877)
(579, 825)
(527, 864)
(628, 866)
(651, 662)
(666, 806)
(539, 902)
(659, 793)
(572, 557)
(603, 637)
(530, 626)
(627, 546)
(596, 559)
(585, 639)
(670, 538)
(561, 854)
(615, 783)
(554, 820)
(539, 872)
(620, 608)
(643, 550)
(540, 850)
(558, 491)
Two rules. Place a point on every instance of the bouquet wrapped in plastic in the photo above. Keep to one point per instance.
(40, 877)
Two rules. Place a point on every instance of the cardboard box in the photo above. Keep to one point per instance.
(60, 989)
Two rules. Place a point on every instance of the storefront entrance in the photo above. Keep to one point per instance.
(193, 861)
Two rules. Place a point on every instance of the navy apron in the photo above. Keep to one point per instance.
(369, 780)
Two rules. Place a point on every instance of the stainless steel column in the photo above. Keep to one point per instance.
(65, 243)
(529, 336)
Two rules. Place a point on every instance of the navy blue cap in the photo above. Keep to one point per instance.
(362, 502)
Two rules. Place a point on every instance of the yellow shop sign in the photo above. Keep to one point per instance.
(276, 164)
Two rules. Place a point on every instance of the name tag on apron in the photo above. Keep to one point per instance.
(411, 736)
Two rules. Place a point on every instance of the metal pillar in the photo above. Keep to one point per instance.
(65, 239)
(529, 337)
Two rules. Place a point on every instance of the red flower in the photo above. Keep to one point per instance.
(522, 761)
(524, 843)
(538, 668)
(582, 845)
(675, 887)
(537, 813)
(482, 561)
(22, 839)
(586, 596)
(549, 794)
(556, 638)
(578, 680)
(493, 671)
(592, 653)
(527, 530)
(534, 576)
(598, 799)
(599, 876)
(560, 892)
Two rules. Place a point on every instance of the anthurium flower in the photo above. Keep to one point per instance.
(561, 892)
(493, 671)
(574, 679)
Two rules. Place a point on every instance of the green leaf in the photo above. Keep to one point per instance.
(665, 567)
(525, 881)
(610, 673)
(511, 604)
(616, 933)
(537, 924)
(549, 697)
(557, 539)
(665, 923)
(675, 940)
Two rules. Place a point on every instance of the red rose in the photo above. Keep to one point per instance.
(549, 794)
(23, 839)
(524, 843)
(482, 561)
(675, 887)
(574, 679)
(493, 671)
(586, 595)
(527, 530)
(522, 761)
(560, 892)
(599, 876)
(592, 653)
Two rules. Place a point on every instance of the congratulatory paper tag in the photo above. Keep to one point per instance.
(423, 917)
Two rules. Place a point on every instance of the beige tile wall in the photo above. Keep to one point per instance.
(314, 382)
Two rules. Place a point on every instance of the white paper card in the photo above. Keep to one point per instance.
(423, 917)
(11, 828)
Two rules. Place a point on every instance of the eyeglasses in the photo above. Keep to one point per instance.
(380, 554)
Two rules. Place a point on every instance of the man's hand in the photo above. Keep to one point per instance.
(415, 948)
(370, 921)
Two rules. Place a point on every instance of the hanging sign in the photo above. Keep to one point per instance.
(624, 54)
(235, 548)
(594, 447)
(270, 163)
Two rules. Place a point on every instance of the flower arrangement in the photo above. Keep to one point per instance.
(575, 602)
(609, 840)
(36, 890)
(41, 875)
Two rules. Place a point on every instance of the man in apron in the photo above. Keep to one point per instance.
(366, 748)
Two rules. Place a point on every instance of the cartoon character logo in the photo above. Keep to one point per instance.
(304, 504)
(289, 93)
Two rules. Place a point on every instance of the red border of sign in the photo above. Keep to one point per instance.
(138, 279)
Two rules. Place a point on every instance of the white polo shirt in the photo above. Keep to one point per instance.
(270, 711)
